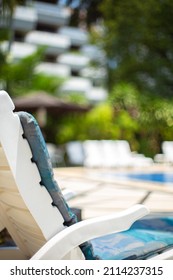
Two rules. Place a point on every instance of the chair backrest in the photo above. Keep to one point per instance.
(26, 207)
(124, 148)
(110, 153)
(167, 148)
(56, 155)
(93, 153)
(75, 152)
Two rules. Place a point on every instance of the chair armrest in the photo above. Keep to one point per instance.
(167, 255)
(69, 238)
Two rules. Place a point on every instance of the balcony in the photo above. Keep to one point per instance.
(56, 44)
(18, 50)
(52, 14)
(77, 36)
(24, 19)
(53, 69)
(75, 61)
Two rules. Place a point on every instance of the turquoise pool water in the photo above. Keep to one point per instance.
(150, 177)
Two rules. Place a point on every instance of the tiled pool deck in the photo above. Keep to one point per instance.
(99, 195)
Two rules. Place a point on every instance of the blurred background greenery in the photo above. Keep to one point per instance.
(137, 39)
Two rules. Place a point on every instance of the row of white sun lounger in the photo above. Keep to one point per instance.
(104, 153)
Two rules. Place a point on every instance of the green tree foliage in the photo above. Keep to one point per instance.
(20, 77)
(145, 121)
(153, 116)
(96, 124)
(104, 121)
(139, 43)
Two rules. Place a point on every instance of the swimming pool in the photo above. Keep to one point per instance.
(161, 177)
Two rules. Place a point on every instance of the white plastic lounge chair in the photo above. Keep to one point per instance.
(166, 153)
(110, 156)
(75, 153)
(167, 148)
(35, 213)
(127, 158)
(56, 155)
(93, 153)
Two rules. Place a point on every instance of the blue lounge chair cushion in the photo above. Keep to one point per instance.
(145, 238)
(40, 156)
